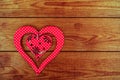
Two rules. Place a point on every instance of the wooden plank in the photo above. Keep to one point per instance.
(66, 66)
(60, 8)
(81, 34)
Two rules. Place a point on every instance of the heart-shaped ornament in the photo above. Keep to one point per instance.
(39, 42)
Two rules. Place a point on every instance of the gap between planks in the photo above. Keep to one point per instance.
(59, 17)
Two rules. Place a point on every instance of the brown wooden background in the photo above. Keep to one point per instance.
(92, 38)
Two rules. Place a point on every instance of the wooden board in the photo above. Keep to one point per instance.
(81, 34)
(60, 8)
(66, 66)
(92, 39)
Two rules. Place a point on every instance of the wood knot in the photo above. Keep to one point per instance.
(77, 26)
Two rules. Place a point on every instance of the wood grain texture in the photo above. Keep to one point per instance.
(60, 8)
(66, 66)
(81, 34)
(92, 39)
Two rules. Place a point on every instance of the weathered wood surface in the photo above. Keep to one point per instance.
(81, 34)
(59, 8)
(92, 40)
(66, 66)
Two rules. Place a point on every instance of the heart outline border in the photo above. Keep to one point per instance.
(58, 34)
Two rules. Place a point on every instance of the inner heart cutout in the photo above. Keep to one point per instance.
(38, 44)
(37, 37)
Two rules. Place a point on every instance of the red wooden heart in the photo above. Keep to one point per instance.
(57, 33)
(38, 44)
